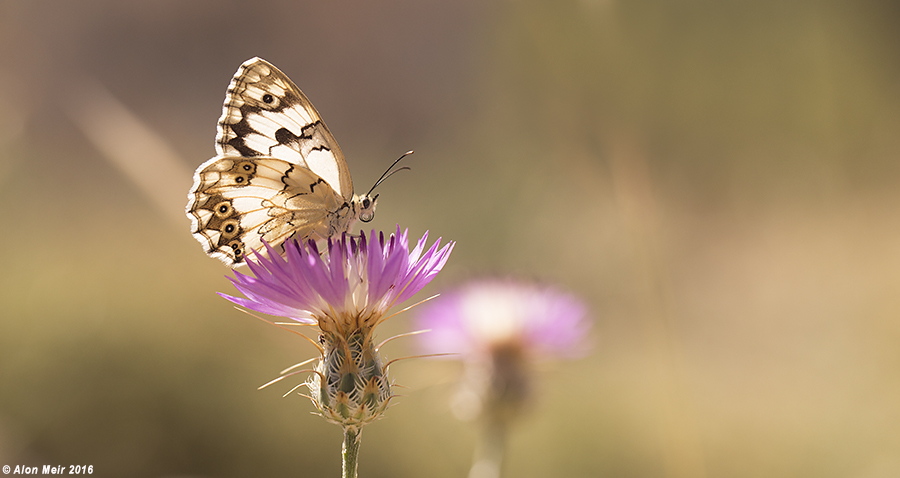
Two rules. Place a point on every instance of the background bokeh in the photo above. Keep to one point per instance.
(719, 180)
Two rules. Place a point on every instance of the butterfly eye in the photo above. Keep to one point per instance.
(367, 214)
(237, 247)
(230, 228)
(366, 203)
(223, 209)
(244, 167)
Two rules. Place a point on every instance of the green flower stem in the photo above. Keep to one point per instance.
(488, 462)
(350, 452)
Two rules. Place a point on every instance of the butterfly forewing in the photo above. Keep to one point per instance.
(265, 114)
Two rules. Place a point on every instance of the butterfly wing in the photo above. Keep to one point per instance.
(239, 202)
(265, 114)
(278, 171)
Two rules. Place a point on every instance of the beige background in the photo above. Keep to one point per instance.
(718, 179)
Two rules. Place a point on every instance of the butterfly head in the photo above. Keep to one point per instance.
(366, 205)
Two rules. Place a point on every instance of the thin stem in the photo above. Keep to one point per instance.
(488, 461)
(350, 452)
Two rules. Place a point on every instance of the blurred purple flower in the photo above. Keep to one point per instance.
(491, 313)
(499, 327)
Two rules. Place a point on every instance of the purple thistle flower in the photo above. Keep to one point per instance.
(490, 313)
(499, 327)
(346, 292)
(355, 277)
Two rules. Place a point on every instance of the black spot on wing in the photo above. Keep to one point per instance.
(312, 138)
(284, 136)
(312, 129)
(242, 129)
(244, 150)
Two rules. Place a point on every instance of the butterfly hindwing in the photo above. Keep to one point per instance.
(239, 202)
(265, 114)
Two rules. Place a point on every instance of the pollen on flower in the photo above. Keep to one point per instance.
(346, 292)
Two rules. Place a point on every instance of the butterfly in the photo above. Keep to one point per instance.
(278, 171)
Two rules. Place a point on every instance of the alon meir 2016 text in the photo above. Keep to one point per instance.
(50, 470)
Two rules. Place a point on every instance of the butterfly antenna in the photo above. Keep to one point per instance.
(388, 172)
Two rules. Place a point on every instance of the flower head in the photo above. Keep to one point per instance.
(490, 313)
(499, 327)
(346, 292)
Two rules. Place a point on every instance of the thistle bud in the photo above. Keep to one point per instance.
(350, 387)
